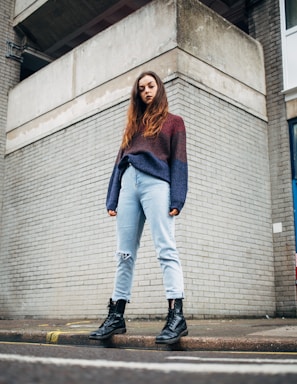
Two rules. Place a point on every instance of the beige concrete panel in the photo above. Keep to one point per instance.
(99, 60)
(47, 89)
(133, 41)
(88, 104)
(212, 39)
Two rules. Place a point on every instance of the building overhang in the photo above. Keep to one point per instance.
(54, 28)
(195, 42)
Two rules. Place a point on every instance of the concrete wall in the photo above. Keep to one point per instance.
(58, 243)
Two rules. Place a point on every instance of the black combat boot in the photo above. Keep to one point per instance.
(114, 323)
(175, 326)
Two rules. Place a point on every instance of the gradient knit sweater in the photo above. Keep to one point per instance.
(164, 157)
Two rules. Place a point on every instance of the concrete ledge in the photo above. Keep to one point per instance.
(169, 65)
(194, 41)
(212, 39)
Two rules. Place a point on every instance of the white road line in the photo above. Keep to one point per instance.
(265, 369)
(235, 360)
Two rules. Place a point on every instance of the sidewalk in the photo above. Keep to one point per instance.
(269, 335)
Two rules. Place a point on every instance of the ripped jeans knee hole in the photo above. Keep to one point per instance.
(123, 255)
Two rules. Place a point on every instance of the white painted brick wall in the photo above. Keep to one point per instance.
(58, 243)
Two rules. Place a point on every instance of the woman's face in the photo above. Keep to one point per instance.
(148, 88)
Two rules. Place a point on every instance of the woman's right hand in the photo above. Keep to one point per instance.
(112, 213)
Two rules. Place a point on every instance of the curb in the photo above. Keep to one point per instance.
(239, 344)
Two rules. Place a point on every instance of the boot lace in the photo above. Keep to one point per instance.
(169, 319)
(110, 316)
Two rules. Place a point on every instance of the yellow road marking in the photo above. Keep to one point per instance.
(79, 322)
(53, 337)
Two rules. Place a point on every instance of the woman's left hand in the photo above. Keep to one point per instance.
(174, 212)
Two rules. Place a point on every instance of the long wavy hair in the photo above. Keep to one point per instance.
(152, 116)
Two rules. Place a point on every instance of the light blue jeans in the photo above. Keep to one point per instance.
(145, 197)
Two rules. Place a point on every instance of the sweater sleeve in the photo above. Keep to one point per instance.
(114, 185)
(179, 166)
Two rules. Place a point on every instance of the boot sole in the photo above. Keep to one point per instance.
(118, 331)
(175, 340)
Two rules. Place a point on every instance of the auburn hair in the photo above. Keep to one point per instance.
(152, 116)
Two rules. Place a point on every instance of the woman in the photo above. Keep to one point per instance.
(149, 182)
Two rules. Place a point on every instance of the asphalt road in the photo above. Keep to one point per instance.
(51, 364)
